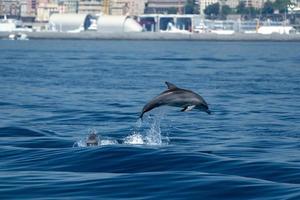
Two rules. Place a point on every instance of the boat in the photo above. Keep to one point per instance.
(18, 36)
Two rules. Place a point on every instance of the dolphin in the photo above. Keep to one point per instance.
(177, 97)
(92, 140)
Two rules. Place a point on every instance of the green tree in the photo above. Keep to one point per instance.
(226, 10)
(190, 7)
(241, 8)
(246, 11)
(268, 8)
(281, 5)
(212, 10)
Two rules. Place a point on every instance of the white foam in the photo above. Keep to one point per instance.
(147, 132)
(80, 143)
(134, 138)
(108, 142)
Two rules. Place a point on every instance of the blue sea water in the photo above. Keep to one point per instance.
(53, 93)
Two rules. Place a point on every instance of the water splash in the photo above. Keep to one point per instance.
(82, 142)
(144, 132)
(153, 135)
(138, 123)
(108, 142)
(148, 131)
(135, 138)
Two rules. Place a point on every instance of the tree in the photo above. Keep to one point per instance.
(226, 10)
(191, 7)
(241, 8)
(212, 10)
(281, 5)
(246, 11)
(268, 8)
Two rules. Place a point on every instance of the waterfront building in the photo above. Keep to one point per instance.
(164, 6)
(232, 3)
(117, 24)
(69, 22)
(31, 7)
(10, 8)
(90, 6)
(294, 7)
(70, 6)
(127, 7)
(64, 6)
(83, 22)
(254, 3)
(45, 9)
(169, 23)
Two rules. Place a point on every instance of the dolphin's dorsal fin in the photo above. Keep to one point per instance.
(171, 86)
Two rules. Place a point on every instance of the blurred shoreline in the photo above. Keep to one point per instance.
(156, 36)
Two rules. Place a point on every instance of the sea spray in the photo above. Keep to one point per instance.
(153, 134)
(148, 131)
(134, 138)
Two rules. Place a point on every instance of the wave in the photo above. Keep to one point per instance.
(141, 159)
(213, 59)
(19, 132)
(164, 185)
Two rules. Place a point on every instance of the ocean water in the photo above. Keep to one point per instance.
(54, 93)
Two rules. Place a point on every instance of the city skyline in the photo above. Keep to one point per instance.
(40, 10)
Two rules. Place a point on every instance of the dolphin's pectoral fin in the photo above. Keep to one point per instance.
(187, 108)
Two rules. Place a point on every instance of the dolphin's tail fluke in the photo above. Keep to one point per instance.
(141, 115)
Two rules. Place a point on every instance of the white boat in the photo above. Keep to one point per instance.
(18, 36)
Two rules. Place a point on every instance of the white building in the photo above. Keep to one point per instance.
(90, 6)
(117, 24)
(70, 22)
(45, 10)
(71, 6)
(127, 7)
(232, 3)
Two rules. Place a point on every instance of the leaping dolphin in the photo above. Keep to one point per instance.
(177, 97)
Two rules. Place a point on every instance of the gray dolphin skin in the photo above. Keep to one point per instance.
(92, 140)
(177, 97)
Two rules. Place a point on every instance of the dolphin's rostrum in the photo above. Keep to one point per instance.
(92, 140)
(177, 97)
